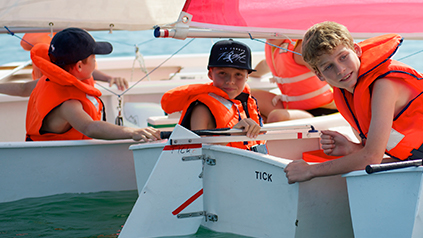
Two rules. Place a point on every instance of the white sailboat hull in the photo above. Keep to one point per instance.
(251, 196)
(247, 193)
(387, 204)
(37, 169)
(243, 192)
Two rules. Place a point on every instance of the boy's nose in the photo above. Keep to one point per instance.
(340, 69)
(230, 79)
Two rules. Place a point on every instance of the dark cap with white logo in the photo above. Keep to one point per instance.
(74, 44)
(231, 54)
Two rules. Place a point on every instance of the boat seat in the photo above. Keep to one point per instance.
(164, 123)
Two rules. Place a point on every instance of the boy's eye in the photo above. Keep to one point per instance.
(327, 67)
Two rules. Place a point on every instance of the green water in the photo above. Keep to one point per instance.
(73, 215)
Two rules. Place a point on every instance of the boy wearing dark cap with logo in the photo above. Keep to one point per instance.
(226, 102)
(65, 105)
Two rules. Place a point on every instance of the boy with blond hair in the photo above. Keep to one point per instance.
(379, 97)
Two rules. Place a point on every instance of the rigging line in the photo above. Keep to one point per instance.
(110, 91)
(124, 43)
(13, 34)
(144, 42)
(156, 67)
(265, 42)
(415, 53)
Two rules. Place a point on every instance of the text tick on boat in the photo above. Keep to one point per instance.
(264, 176)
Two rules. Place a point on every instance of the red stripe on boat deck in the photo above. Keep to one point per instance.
(188, 202)
(182, 147)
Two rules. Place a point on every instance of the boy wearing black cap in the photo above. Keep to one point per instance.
(65, 105)
(226, 102)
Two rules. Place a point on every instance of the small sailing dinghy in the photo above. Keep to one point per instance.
(236, 191)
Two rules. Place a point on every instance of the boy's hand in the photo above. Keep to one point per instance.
(298, 171)
(276, 99)
(334, 143)
(250, 126)
(146, 134)
(121, 83)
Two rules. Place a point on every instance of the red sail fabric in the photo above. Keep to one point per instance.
(364, 18)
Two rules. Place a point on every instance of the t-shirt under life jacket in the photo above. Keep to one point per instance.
(54, 88)
(406, 137)
(227, 112)
(300, 88)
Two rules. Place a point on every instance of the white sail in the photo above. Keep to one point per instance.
(90, 15)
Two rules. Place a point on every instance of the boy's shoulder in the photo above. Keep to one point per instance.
(376, 50)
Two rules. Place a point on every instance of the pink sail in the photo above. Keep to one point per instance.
(364, 18)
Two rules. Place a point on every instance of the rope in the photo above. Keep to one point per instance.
(176, 52)
(251, 37)
(119, 118)
(265, 42)
(140, 59)
(124, 43)
(147, 75)
(13, 34)
(407, 56)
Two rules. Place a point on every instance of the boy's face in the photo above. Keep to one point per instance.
(230, 80)
(340, 68)
(86, 70)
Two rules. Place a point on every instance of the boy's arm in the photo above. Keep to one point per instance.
(72, 112)
(261, 69)
(201, 118)
(383, 110)
(299, 58)
(18, 89)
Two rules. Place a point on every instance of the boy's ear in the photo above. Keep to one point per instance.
(319, 75)
(210, 74)
(78, 66)
(357, 49)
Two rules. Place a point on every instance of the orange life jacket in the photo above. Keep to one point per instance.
(31, 39)
(300, 88)
(407, 133)
(227, 112)
(54, 88)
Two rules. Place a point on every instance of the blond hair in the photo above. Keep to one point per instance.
(323, 38)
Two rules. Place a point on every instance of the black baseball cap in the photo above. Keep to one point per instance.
(74, 44)
(232, 54)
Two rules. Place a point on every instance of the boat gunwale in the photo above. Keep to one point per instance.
(64, 143)
(359, 173)
(265, 158)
